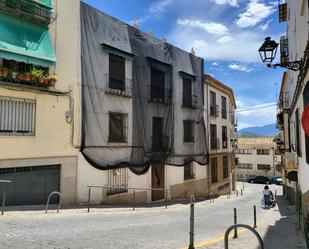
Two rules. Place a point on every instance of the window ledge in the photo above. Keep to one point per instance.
(117, 92)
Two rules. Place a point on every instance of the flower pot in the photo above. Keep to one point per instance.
(1, 73)
(52, 82)
(14, 75)
(27, 77)
(45, 82)
(5, 74)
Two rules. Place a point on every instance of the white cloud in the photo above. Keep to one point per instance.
(159, 7)
(255, 13)
(238, 67)
(210, 27)
(215, 64)
(265, 25)
(230, 2)
(225, 39)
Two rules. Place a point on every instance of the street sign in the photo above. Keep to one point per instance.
(305, 120)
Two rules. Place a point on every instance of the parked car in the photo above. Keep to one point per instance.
(260, 179)
(278, 181)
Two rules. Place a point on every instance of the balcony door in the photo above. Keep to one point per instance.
(157, 134)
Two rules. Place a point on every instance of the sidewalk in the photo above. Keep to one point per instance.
(277, 227)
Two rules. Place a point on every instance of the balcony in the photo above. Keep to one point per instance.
(39, 11)
(283, 11)
(160, 95)
(284, 49)
(280, 120)
(214, 143)
(214, 110)
(19, 74)
(118, 86)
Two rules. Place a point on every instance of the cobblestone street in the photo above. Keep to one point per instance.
(156, 227)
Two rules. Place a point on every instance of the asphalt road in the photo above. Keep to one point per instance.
(155, 228)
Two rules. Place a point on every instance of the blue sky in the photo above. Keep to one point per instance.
(226, 33)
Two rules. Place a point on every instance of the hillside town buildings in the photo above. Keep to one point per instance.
(257, 157)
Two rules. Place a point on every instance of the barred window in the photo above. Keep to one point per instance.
(186, 92)
(17, 116)
(118, 181)
(223, 108)
(245, 166)
(265, 167)
(157, 91)
(243, 151)
(188, 171)
(262, 151)
(224, 137)
(116, 72)
(117, 127)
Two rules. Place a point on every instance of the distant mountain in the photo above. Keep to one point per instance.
(262, 131)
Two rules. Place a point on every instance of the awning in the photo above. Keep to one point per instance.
(25, 41)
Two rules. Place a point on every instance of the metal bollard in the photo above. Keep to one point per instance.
(276, 193)
(237, 193)
(89, 194)
(3, 200)
(191, 245)
(235, 223)
(241, 192)
(134, 200)
(166, 199)
(254, 214)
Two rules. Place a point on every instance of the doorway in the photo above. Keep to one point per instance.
(157, 181)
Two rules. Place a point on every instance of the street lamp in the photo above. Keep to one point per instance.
(268, 52)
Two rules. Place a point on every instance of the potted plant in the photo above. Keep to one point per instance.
(27, 76)
(53, 79)
(45, 80)
(1, 70)
(37, 74)
(5, 72)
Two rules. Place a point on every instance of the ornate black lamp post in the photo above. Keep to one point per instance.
(268, 52)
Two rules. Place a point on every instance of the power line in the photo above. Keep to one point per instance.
(255, 108)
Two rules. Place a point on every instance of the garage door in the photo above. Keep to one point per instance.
(31, 185)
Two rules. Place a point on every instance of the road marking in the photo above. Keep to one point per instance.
(216, 240)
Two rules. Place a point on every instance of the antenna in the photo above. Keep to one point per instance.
(136, 23)
(192, 51)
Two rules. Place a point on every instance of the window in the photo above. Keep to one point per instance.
(214, 170)
(117, 181)
(297, 133)
(225, 164)
(223, 108)
(186, 92)
(117, 127)
(279, 168)
(17, 116)
(188, 171)
(243, 151)
(262, 152)
(160, 143)
(265, 167)
(245, 166)
(213, 108)
(214, 143)
(306, 102)
(157, 87)
(116, 72)
(188, 131)
(224, 137)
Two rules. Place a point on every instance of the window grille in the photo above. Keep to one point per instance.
(188, 171)
(187, 98)
(225, 164)
(118, 181)
(118, 127)
(262, 151)
(265, 167)
(214, 170)
(17, 116)
(157, 87)
(245, 166)
(188, 131)
(213, 108)
(214, 141)
(116, 72)
(284, 49)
